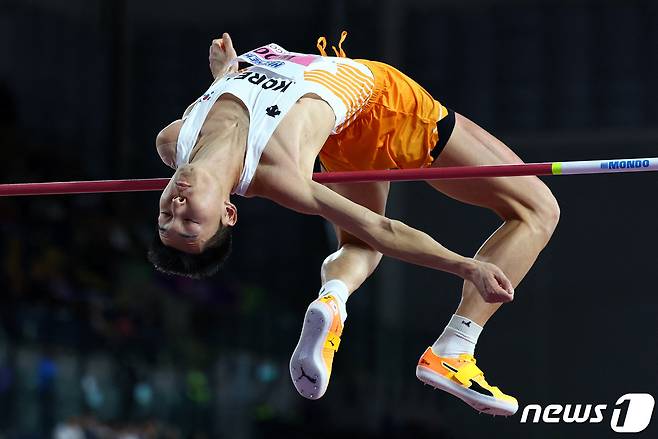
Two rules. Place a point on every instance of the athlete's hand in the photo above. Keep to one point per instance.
(491, 282)
(222, 56)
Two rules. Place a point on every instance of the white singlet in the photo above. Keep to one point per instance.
(276, 80)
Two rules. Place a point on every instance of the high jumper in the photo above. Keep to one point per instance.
(257, 133)
(373, 124)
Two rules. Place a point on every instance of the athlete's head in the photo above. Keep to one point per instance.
(194, 223)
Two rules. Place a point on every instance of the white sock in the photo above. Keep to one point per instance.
(338, 289)
(459, 337)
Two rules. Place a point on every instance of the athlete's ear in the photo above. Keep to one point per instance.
(231, 213)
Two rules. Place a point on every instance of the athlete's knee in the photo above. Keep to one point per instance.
(545, 212)
(537, 208)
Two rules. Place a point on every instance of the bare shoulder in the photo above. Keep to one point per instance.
(165, 143)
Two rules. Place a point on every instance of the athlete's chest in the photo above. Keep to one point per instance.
(300, 136)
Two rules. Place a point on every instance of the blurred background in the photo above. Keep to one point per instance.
(95, 344)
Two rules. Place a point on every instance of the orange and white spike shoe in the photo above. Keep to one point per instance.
(310, 364)
(462, 378)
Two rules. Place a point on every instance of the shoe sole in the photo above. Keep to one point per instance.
(482, 403)
(307, 368)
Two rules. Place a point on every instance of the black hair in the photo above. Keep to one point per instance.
(196, 266)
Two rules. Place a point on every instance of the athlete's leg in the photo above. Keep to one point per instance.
(530, 214)
(354, 260)
(526, 205)
(342, 273)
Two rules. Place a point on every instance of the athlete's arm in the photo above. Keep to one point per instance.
(222, 57)
(390, 237)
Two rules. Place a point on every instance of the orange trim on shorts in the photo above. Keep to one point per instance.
(394, 128)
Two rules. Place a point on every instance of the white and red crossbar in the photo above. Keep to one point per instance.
(555, 168)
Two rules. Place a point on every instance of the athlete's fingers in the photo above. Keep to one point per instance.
(227, 42)
(505, 282)
(217, 44)
(489, 289)
(498, 293)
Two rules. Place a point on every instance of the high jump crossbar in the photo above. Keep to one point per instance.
(513, 170)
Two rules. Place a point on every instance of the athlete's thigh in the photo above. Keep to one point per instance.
(371, 195)
(470, 145)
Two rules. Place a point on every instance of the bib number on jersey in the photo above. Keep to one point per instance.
(275, 58)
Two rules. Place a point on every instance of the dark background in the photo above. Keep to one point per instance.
(92, 338)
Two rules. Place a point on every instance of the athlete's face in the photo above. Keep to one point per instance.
(192, 211)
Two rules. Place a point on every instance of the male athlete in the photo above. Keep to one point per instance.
(258, 132)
